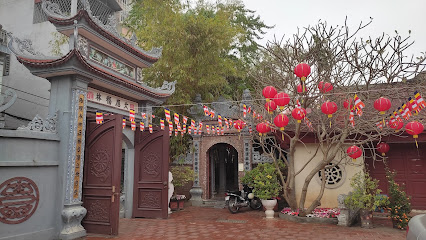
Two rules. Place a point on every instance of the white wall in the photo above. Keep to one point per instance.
(329, 199)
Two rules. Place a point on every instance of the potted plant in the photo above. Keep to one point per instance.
(266, 186)
(366, 197)
(399, 203)
(181, 175)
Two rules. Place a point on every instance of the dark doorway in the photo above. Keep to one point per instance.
(223, 169)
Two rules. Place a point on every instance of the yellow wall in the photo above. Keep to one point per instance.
(302, 155)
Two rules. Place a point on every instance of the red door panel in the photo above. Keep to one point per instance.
(151, 174)
(101, 179)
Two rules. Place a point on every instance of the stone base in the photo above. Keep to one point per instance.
(71, 216)
(196, 193)
(307, 219)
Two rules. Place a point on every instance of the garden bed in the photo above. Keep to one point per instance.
(319, 215)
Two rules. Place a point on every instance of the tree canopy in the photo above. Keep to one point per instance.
(207, 48)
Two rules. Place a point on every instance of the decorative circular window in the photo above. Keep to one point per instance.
(335, 175)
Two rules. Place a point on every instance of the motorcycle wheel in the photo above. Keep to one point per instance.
(255, 203)
(233, 205)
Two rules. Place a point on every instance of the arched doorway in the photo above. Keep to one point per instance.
(223, 159)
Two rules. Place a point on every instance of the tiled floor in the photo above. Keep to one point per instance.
(213, 223)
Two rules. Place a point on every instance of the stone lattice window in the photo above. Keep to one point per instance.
(335, 175)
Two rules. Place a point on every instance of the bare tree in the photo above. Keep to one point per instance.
(370, 68)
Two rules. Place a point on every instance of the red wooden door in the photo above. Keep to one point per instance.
(150, 195)
(102, 171)
(410, 165)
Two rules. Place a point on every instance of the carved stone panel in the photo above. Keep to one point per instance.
(19, 197)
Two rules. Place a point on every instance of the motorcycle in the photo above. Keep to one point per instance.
(244, 198)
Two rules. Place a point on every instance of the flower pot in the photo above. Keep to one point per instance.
(269, 206)
(174, 205)
(366, 218)
(181, 204)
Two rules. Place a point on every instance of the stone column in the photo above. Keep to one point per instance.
(196, 191)
(68, 98)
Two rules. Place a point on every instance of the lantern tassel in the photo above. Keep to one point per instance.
(282, 135)
(417, 145)
(330, 123)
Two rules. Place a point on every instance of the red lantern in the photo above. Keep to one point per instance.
(383, 148)
(329, 108)
(281, 99)
(263, 128)
(298, 114)
(300, 89)
(414, 128)
(281, 121)
(269, 92)
(302, 71)
(239, 124)
(397, 124)
(382, 104)
(354, 152)
(270, 106)
(325, 87)
(348, 104)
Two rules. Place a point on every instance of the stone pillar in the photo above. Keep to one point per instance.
(196, 191)
(68, 98)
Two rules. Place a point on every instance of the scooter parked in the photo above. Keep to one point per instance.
(244, 198)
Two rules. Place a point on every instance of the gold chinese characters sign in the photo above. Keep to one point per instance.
(97, 96)
(80, 118)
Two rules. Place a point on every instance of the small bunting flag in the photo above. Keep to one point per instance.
(184, 128)
(131, 115)
(379, 125)
(208, 129)
(244, 110)
(176, 118)
(124, 123)
(167, 114)
(359, 105)
(162, 124)
(152, 116)
(192, 123)
(227, 124)
(206, 110)
(213, 130)
(406, 113)
(222, 130)
(133, 125)
(99, 118)
(217, 130)
(309, 124)
(200, 128)
(254, 114)
(219, 119)
(176, 132)
(142, 126)
(250, 130)
(249, 110)
(185, 119)
(150, 128)
(189, 129)
(420, 101)
(352, 118)
(143, 115)
(414, 107)
(178, 127)
(230, 123)
(212, 114)
(170, 129)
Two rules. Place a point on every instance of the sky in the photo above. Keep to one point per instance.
(388, 16)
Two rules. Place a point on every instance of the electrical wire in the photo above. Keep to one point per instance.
(24, 92)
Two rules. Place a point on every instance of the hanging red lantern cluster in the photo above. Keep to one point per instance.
(302, 71)
(270, 106)
(325, 87)
(329, 108)
(354, 152)
(281, 99)
(382, 105)
(281, 121)
(383, 148)
(269, 92)
(263, 128)
(298, 114)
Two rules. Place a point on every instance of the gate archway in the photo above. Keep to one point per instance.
(223, 162)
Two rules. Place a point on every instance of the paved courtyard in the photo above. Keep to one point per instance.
(213, 223)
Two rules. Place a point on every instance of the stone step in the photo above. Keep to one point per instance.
(213, 203)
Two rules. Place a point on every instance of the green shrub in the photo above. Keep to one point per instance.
(264, 180)
(399, 203)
